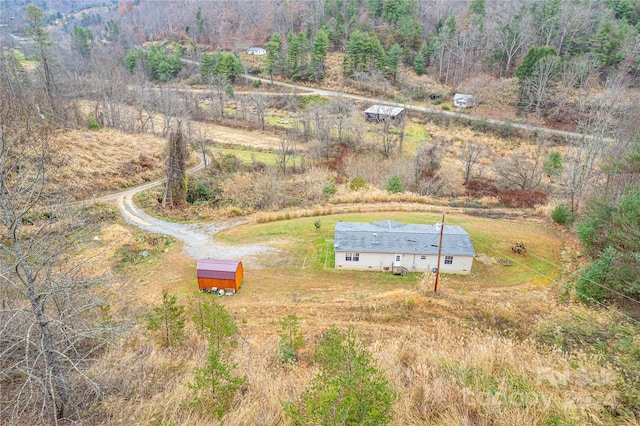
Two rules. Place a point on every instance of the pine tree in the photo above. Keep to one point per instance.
(349, 389)
(393, 59)
(420, 61)
(274, 55)
(214, 386)
(167, 321)
(318, 55)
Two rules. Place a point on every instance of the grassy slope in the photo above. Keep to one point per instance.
(460, 356)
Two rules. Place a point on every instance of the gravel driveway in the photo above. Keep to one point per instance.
(197, 238)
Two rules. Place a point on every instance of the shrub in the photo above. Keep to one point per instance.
(329, 187)
(522, 198)
(446, 107)
(480, 188)
(93, 123)
(395, 185)
(199, 193)
(357, 183)
(257, 83)
(562, 215)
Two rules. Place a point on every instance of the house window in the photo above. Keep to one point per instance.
(352, 257)
(398, 257)
(448, 260)
(423, 257)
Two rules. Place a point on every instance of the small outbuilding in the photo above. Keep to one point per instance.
(219, 274)
(260, 51)
(460, 100)
(384, 112)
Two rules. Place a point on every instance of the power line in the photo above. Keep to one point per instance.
(557, 282)
(572, 273)
(589, 280)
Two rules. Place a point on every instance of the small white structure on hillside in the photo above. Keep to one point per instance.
(460, 100)
(256, 51)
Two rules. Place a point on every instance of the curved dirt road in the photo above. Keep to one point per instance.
(197, 238)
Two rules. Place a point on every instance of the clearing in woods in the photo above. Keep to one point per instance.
(299, 278)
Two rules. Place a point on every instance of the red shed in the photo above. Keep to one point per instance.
(222, 274)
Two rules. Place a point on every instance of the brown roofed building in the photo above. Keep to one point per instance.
(219, 274)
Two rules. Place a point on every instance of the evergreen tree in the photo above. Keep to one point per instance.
(133, 58)
(291, 338)
(214, 386)
(477, 7)
(229, 65)
(349, 389)
(163, 66)
(421, 59)
(318, 55)
(393, 58)
(534, 54)
(395, 185)
(167, 321)
(364, 53)
(273, 60)
(213, 321)
(293, 55)
(208, 65)
(35, 20)
(80, 39)
(175, 193)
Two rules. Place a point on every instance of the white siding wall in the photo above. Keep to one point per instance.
(377, 261)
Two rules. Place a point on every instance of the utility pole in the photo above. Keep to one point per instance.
(435, 287)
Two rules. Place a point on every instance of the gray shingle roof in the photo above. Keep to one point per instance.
(384, 110)
(388, 236)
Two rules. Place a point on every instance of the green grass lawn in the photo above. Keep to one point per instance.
(311, 248)
(248, 156)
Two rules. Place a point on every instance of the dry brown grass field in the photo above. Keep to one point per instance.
(466, 355)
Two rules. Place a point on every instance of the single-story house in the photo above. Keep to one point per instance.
(256, 51)
(460, 100)
(391, 246)
(219, 274)
(383, 112)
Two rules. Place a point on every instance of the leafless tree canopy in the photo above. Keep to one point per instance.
(518, 171)
(54, 327)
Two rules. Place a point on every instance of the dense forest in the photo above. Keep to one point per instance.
(554, 133)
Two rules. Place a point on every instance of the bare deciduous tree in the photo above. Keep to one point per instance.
(470, 157)
(598, 115)
(391, 134)
(537, 88)
(54, 327)
(199, 141)
(518, 171)
(426, 165)
(286, 153)
(261, 104)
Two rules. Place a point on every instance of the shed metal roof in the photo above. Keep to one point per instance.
(217, 268)
(384, 110)
(388, 236)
